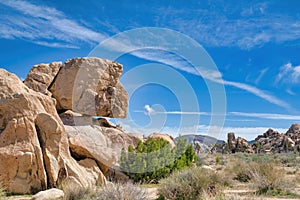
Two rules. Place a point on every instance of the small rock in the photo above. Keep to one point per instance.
(52, 194)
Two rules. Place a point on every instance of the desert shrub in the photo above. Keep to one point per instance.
(199, 161)
(154, 159)
(218, 160)
(266, 178)
(290, 159)
(242, 172)
(126, 191)
(77, 193)
(192, 183)
(2, 192)
(262, 158)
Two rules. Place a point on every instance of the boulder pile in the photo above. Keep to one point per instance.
(49, 136)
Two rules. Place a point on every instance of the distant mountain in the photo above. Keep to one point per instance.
(203, 139)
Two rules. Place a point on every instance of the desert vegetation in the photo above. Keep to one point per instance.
(2, 192)
(154, 159)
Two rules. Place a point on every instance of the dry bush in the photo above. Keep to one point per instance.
(79, 193)
(241, 171)
(192, 183)
(267, 178)
(118, 191)
(2, 192)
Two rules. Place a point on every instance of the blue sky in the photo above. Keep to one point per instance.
(254, 44)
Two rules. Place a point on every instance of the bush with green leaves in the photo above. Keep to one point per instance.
(192, 183)
(154, 159)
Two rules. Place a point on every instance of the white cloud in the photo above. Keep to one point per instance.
(44, 25)
(260, 76)
(273, 116)
(249, 133)
(212, 75)
(222, 26)
(149, 110)
(288, 74)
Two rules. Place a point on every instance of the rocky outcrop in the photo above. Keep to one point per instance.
(34, 149)
(35, 142)
(97, 139)
(238, 144)
(91, 86)
(294, 133)
(163, 136)
(273, 141)
(41, 76)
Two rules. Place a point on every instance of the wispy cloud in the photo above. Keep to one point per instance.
(273, 116)
(151, 111)
(288, 74)
(212, 75)
(44, 25)
(244, 24)
(260, 76)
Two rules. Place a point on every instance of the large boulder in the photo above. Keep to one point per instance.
(34, 149)
(91, 86)
(96, 139)
(41, 76)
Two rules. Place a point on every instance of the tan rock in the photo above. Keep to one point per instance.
(93, 171)
(91, 86)
(163, 136)
(51, 194)
(102, 144)
(41, 76)
(238, 144)
(34, 149)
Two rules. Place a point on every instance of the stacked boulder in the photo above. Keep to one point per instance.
(238, 144)
(49, 136)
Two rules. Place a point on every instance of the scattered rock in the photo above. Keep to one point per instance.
(51, 194)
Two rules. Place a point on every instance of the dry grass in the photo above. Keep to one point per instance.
(118, 191)
(2, 192)
(193, 183)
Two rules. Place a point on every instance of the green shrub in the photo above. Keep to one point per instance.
(119, 191)
(154, 159)
(217, 159)
(192, 183)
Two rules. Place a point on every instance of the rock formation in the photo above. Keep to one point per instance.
(274, 141)
(238, 144)
(35, 142)
(294, 133)
(90, 86)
